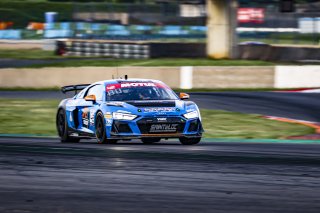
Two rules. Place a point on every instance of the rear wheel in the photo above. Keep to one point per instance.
(150, 140)
(189, 141)
(101, 130)
(62, 128)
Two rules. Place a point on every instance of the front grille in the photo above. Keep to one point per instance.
(161, 125)
(121, 127)
(193, 127)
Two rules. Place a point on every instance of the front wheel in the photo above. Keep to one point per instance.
(62, 128)
(101, 130)
(190, 141)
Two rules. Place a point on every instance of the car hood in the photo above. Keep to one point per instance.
(152, 107)
(153, 103)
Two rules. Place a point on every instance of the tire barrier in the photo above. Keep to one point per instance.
(136, 50)
(103, 49)
(278, 53)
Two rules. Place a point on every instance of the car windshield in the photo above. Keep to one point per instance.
(127, 91)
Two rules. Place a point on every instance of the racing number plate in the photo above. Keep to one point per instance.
(159, 128)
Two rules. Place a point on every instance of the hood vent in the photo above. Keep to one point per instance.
(152, 103)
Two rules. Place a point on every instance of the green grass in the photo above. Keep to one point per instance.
(157, 62)
(20, 116)
(32, 54)
(222, 124)
(27, 54)
(107, 62)
(28, 116)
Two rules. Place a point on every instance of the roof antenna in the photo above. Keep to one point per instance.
(117, 72)
(125, 77)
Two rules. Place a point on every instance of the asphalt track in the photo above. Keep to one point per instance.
(303, 106)
(42, 175)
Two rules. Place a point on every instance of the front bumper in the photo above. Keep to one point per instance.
(155, 127)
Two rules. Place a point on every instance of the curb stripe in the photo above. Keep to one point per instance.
(289, 120)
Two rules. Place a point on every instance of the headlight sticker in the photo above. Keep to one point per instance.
(190, 115)
(107, 115)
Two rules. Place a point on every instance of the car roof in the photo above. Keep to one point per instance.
(119, 80)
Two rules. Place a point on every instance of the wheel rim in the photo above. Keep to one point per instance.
(61, 123)
(99, 129)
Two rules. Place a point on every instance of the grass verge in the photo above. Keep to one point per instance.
(223, 124)
(20, 116)
(107, 62)
(32, 54)
(153, 62)
(27, 54)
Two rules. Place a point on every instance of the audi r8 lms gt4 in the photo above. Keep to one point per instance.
(124, 109)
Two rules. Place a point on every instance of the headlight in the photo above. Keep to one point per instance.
(123, 116)
(193, 114)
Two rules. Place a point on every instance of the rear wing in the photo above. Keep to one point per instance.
(75, 88)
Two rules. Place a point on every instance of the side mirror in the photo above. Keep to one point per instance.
(90, 98)
(184, 96)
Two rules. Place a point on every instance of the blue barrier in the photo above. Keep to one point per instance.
(118, 32)
(10, 34)
(65, 26)
(173, 30)
(80, 26)
(58, 33)
(112, 31)
(49, 26)
(143, 27)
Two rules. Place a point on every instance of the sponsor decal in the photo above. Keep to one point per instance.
(163, 128)
(111, 87)
(137, 84)
(85, 117)
(134, 84)
(159, 109)
(92, 117)
(85, 113)
(85, 123)
(162, 119)
(108, 122)
(161, 113)
(74, 134)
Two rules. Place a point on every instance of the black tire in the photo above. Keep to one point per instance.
(62, 128)
(190, 141)
(101, 130)
(150, 140)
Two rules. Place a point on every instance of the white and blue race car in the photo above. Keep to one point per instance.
(124, 109)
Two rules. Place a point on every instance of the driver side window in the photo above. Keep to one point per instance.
(96, 90)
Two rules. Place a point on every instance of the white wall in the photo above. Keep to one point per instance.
(297, 76)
